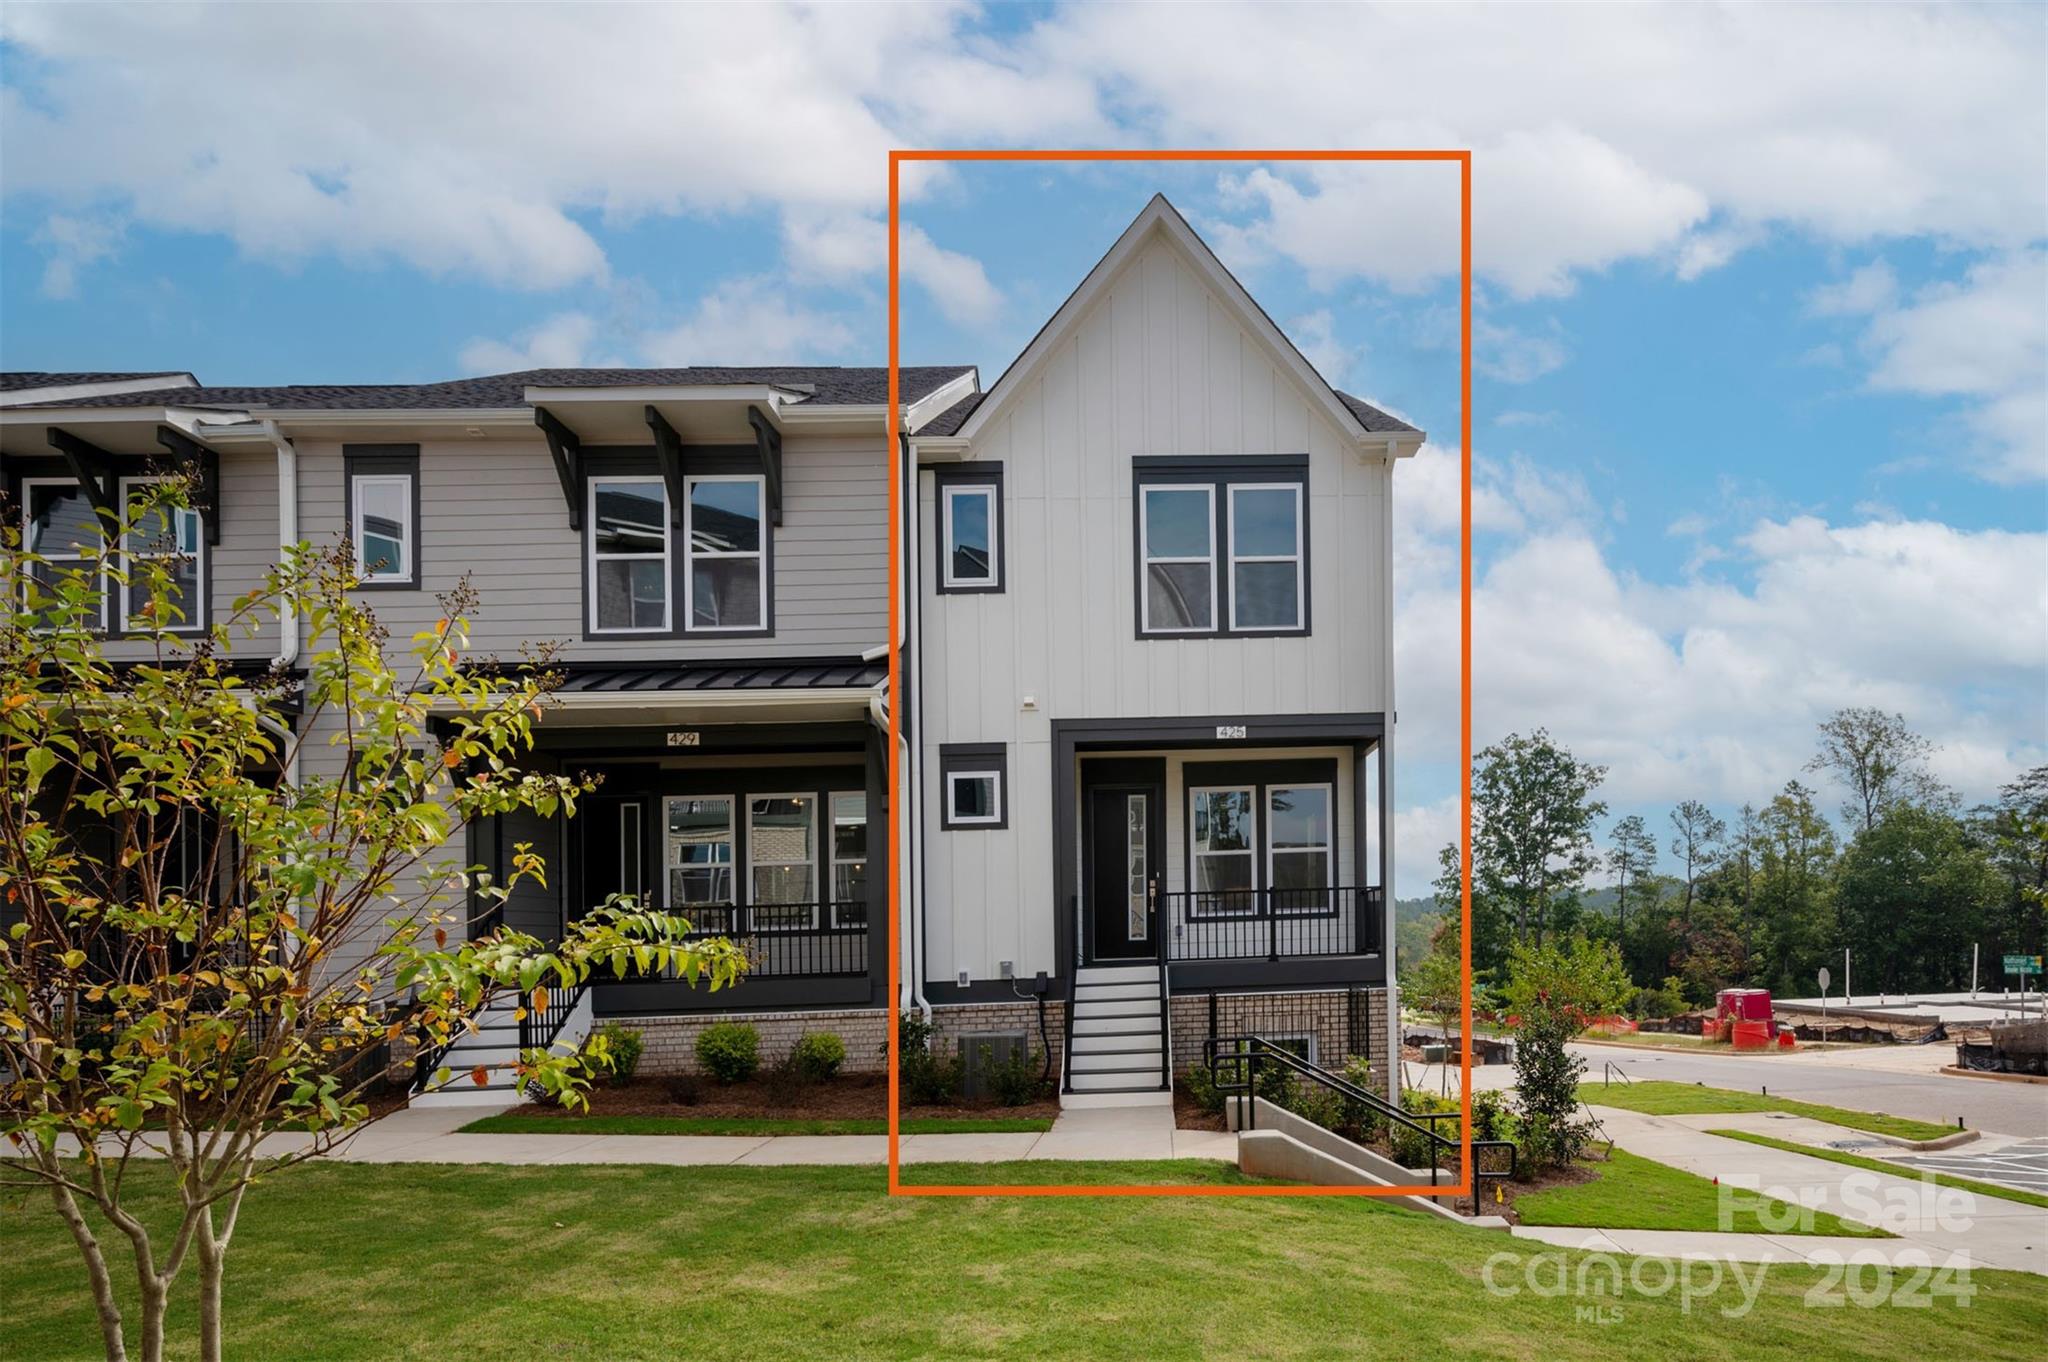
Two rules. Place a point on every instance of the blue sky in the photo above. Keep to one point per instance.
(1759, 416)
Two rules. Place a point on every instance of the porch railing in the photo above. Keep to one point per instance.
(1272, 924)
(790, 940)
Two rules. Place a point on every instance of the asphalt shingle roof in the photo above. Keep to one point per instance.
(36, 378)
(828, 386)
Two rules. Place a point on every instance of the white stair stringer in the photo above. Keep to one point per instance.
(494, 1048)
(1119, 1040)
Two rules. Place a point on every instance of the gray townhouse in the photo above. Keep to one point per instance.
(1146, 688)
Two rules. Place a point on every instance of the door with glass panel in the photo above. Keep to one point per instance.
(1122, 847)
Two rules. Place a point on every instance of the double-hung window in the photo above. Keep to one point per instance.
(699, 859)
(1261, 838)
(169, 538)
(59, 525)
(725, 561)
(1298, 846)
(384, 514)
(629, 555)
(1177, 546)
(782, 861)
(1222, 548)
(1223, 842)
(970, 530)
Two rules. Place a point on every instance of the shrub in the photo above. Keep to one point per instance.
(729, 1051)
(623, 1046)
(1547, 1088)
(929, 1077)
(1412, 1149)
(1314, 1102)
(1016, 1080)
(782, 1083)
(817, 1056)
(685, 1090)
(1200, 1086)
(1665, 1000)
(1491, 1119)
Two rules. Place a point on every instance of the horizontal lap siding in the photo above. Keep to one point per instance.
(494, 509)
(1157, 366)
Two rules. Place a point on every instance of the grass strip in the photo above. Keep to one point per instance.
(1901, 1170)
(1661, 1097)
(1635, 1193)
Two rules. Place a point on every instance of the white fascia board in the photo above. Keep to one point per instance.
(110, 387)
(1391, 444)
(1161, 217)
(763, 393)
(939, 449)
(182, 417)
(940, 399)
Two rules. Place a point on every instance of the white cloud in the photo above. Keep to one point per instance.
(1711, 688)
(1315, 335)
(561, 342)
(749, 321)
(847, 248)
(69, 244)
(1514, 356)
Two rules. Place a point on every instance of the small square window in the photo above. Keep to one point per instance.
(972, 781)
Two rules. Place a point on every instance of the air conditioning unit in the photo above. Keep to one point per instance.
(978, 1049)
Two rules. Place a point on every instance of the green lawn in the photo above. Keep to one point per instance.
(1657, 1097)
(354, 1263)
(1635, 1193)
(512, 1124)
(1971, 1185)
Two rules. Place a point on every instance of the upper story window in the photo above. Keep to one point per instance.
(629, 555)
(383, 513)
(169, 537)
(59, 525)
(726, 555)
(970, 529)
(1222, 548)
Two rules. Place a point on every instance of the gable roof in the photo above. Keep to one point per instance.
(824, 386)
(966, 417)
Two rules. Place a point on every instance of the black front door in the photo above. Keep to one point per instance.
(1124, 854)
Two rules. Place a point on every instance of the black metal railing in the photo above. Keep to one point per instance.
(789, 940)
(539, 1027)
(1272, 924)
(1237, 1062)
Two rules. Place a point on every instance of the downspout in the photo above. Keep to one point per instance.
(913, 733)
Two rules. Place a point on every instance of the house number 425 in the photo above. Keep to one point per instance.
(1229, 731)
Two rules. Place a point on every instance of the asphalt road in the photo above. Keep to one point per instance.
(1880, 1082)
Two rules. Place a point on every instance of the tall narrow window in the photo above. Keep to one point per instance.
(782, 861)
(629, 556)
(168, 537)
(1298, 844)
(1223, 848)
(970, 529)
(381, 514)
(1177, 545)
(699, 860)
(725, 558)
(629, 853)
(58, 524)
(849, 858)
(1265, 556)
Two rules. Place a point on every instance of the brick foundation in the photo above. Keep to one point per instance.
(1344, 1023)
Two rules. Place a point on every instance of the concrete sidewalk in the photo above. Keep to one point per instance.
(1727, 1248)
(432, 1135)
(1939, 1222)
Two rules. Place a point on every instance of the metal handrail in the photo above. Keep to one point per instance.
(1248, 1052)
(1073, 996)
(1165, 992)
(539, 1027)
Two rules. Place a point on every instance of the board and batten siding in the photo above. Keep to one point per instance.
(494, 509)
(1158, 365)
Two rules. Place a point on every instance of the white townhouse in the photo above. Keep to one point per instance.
(1147, 677)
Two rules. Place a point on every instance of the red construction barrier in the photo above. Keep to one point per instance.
(1752, 1035)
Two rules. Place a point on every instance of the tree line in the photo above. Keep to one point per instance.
(1907, 878)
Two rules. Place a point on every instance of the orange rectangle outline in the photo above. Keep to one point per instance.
(1463, 158)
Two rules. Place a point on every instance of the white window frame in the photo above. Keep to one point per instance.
(195, 609)
(1327, 848)
(593, 556)
(987, 492)
(691, 554)
(833, 860)
(732, 864)
(1250, 854)
(28, 501)
(810, 861)
(1146, 559)
(407, 555)
(994, 815)
(1296, 558)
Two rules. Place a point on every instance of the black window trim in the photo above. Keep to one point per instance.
(1218, 474)
(974, 475)
(644, 462)
(112, 624)
(400, 460)
(1262, 777)
(966, 758)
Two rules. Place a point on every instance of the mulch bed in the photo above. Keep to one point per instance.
(853, 1097)
(1189, 1115)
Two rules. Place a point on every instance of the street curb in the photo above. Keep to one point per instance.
(1954, 1072)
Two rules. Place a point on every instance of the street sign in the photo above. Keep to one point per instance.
(2023, 964)
(1825, 978)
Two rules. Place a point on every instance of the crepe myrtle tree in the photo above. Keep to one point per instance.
(206, 952)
